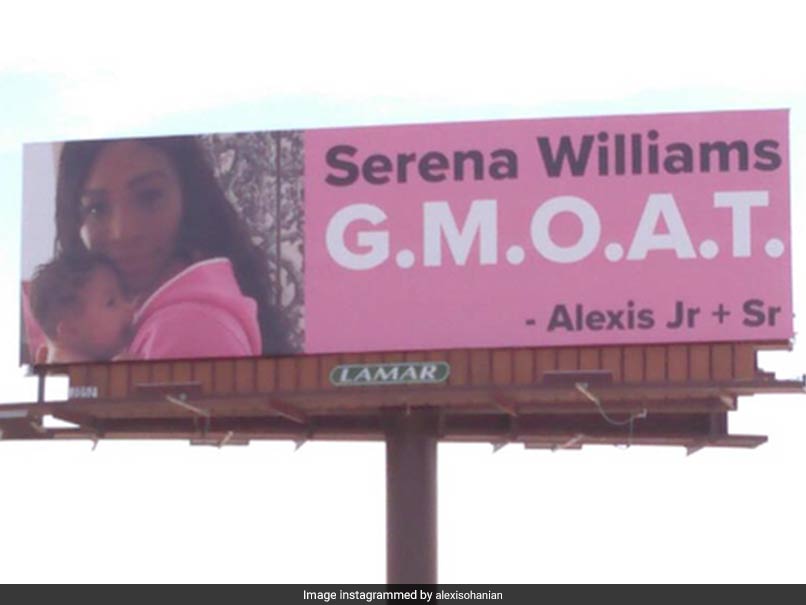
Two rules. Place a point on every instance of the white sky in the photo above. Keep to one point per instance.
(166, 512)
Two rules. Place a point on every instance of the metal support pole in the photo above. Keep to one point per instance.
(411, 496)
(40, 387)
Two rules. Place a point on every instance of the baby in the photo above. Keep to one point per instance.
(79, 304)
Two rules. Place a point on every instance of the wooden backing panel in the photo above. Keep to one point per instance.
(611, 361)
(161, 372)
(655, 370)
(744, 360)
(480, 371)
(678, 363)
(722, 362)
(245, 375)
(502, 367)
(266, 375)
(633, 364)
(79, 375)
(203, 374)
(374, 358)
(524, 366)
(700, 362)
(546, 361)
(119, 380)
(394, 357)
(438, 356)
(459, 361)
(182, 371)
(287, 374)
(590, 359)
(140, 374)
(568, 359)
(325, 366)
(308, 372)
(98, 376)
(224, 377)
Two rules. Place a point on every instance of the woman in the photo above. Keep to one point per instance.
(154, 207)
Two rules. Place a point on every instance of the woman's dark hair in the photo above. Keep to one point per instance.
(210, 225)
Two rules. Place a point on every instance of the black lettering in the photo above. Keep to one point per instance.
(577, 162)
(631, 315)
(595, 320)
(679, 315)
(637, 152)
(680, 158)
(646, 320)
(723, 149)
(459, 159)
(506, 167)
(621, 155)
(604, 154)
(560, 319)
(652, 148)
(614, 320)
(754, 311)
(376, 165)
(772, 158)
(334, 161)
(432, 167)
(403, 161)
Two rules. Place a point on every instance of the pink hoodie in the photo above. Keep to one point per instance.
(200, 312)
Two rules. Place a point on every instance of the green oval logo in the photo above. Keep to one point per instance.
(373, 374)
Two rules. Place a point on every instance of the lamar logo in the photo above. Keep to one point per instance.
(412, 372)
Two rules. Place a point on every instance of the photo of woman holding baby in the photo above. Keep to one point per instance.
(184, 257)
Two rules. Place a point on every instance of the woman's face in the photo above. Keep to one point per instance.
(131, 208)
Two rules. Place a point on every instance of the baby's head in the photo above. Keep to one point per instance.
(79, 304)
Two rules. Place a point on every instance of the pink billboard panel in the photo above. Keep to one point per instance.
(638, 229)
(552, 232)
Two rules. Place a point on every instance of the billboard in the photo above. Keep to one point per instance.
(519, 233)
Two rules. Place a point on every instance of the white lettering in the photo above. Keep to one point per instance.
(377, 242)
(386, 373)
(428, 372)
(541, 223)
(740, 203)
(363, 374)
(482, 221)
(661, 205)
(409, 374)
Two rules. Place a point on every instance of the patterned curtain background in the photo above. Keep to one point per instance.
(262, 175)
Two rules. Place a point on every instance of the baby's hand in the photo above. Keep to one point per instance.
(42, 354)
